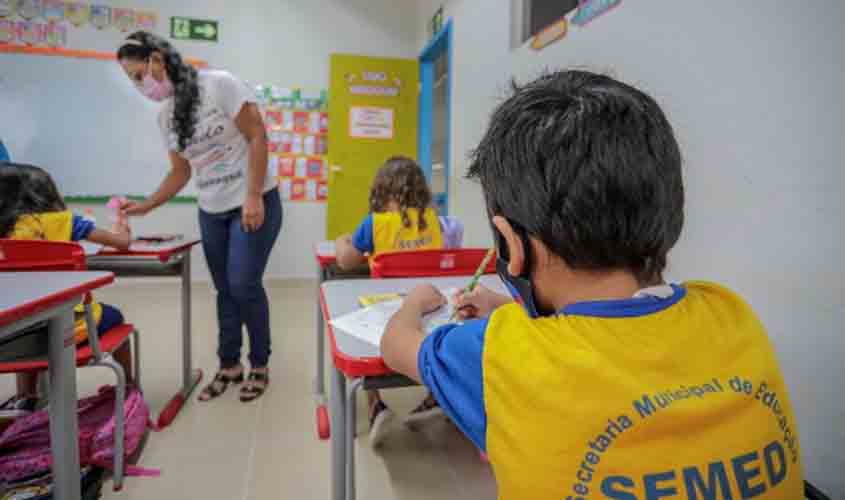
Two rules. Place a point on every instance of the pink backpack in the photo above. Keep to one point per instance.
(25, 445)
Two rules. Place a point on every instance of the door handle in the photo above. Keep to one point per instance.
(336, 168)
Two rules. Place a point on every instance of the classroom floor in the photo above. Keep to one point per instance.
(227, 450)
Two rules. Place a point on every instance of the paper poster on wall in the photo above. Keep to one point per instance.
(297, 129)
(29, 9)
(367, 122)
(7, 8)
(54, 10)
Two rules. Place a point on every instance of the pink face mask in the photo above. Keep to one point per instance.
(155, 90)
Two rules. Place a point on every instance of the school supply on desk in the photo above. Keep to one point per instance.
(474, 281)
(368, 300)
(158, 238)
(369, 323)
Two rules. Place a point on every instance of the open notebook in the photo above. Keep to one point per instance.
(369, 323)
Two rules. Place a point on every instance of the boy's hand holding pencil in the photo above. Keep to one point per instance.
(472, 285)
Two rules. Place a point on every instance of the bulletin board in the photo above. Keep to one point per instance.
(297, 123)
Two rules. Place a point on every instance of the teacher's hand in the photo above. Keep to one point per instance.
(252, 213)
(137, 209)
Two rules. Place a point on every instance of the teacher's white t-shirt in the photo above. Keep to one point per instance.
(218, 152)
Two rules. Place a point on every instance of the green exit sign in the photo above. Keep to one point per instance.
(185, 28)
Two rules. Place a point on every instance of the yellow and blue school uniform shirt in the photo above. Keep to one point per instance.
(673, 394)
(385, 232)
(59, 226)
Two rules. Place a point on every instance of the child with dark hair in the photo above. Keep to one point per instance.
(31, 208)
(400, 219)
(596, 377)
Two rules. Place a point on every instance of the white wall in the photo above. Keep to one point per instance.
(286, 42)
(754, 92)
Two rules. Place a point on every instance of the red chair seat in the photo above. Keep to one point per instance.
(429, 263)
(109, 342)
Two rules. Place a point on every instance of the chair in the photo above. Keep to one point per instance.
(26, 255)
(813, 493)
(430, 263)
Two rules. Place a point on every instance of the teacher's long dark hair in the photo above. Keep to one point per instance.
(183, 75)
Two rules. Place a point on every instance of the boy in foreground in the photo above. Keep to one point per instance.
(596, 378)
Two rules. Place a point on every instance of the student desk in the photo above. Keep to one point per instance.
(324, 254)
(32, 297)
(146, 259)
(361, 363)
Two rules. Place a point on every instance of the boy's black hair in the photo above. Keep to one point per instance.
(25, 190)
(589, 166)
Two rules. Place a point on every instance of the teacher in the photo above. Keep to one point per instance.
(213, 128)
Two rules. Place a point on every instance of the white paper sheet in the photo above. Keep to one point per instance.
(369, 323)
(326, 248)
(90, 248)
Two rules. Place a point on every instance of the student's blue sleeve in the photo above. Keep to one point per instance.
(449, 363)
(81, 228)
(362, 239)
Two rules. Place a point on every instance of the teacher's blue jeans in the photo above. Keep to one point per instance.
(237, 260)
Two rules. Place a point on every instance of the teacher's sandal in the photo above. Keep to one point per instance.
(219, 385)
(256, 384)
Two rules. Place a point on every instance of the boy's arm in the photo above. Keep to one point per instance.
(448, 362)
(400, 344)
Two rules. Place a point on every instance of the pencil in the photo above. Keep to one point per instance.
(475, 278)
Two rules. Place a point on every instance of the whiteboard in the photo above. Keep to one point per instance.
(83, 121)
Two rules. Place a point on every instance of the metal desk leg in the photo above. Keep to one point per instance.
(190, 377)
(323, 427)
(337, 401)
(64, 426)
(351, 425)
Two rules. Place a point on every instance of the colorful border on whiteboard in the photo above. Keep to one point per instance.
(74, 53)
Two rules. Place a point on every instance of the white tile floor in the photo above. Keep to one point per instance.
(227, 450)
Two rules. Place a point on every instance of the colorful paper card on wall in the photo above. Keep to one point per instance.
(589, 10)
(550, 34)
(297, 190)
(78, 13)
(29, 9)
(56, 34)
(54, 10)
(146, 20)
(366, 122)
(7, 8)
(30, 33)
(7, 31)
(100, 16)
(123, 19)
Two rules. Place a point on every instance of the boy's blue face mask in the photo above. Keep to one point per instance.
(519, 287)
